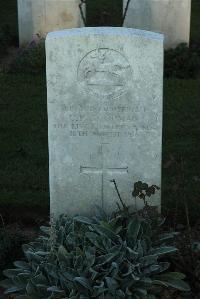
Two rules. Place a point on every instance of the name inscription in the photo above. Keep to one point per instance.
(106, 121)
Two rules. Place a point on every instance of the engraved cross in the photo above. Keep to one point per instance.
(103, 170)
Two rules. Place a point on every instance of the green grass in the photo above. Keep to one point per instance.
(23, 151)
(181, 137)
(23, 130)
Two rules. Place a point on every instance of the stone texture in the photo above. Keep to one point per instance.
(38, 17)
(104, 116)
(170, 17)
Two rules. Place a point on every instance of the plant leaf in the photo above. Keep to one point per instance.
(163, 250)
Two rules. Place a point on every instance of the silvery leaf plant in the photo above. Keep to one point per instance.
(104, 257)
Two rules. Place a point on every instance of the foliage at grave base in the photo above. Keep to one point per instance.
(31, 59)
(11, 240)
(183, 62)
(100, 257)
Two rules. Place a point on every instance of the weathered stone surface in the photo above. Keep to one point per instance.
(38, 17)
(104, 116)
(170, 17)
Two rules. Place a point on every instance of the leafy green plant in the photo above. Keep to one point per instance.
(31, 59)
(11, 240)
(118, 256)
(187, 258)
(143, 190)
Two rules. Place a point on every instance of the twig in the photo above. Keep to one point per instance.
(81, 11)
(116, 188)
(125, 11)
(118, 206)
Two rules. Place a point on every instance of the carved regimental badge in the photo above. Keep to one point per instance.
(104, 72)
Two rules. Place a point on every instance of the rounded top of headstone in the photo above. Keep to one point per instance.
(106, 30)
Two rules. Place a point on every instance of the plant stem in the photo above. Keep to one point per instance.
(125, 11)
(81, 11)
(117, 190)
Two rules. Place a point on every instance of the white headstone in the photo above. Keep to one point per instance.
(38, 17)
(104, 116)
(170, 17)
